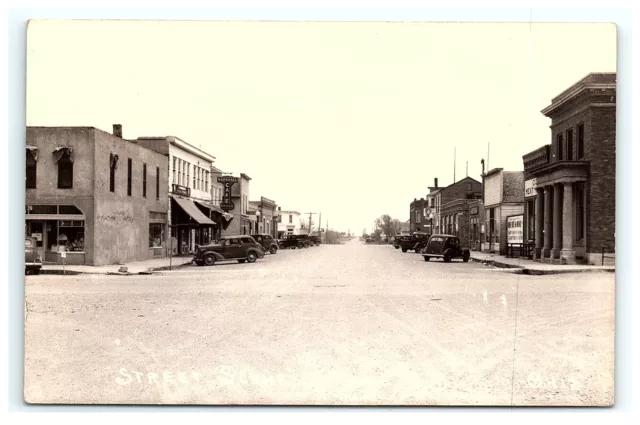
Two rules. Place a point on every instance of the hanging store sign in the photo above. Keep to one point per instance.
(514, 229)
(474, 211)
(530, 188)
(227, 181)
(180, 190)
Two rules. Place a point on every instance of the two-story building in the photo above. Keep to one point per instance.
(193, 218)
(467, 188)
(100, 198)
(571, 215)
(242, 222)
(267, 216)
(418, 220)
(503, 200)
(288, 223)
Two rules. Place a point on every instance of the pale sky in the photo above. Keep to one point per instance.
(353, 120)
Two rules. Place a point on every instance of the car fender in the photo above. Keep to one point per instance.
(217, 255)
(447, 251)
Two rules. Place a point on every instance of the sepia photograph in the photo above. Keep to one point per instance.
(318, 213)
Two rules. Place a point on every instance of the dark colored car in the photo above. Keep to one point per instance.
(295, 241)
(314, 240)
(241, 248)
(446, 247)
(32, 260)
(398, 239)
(269, 244)
(415, 242)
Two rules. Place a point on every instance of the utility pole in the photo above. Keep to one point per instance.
(310, 214)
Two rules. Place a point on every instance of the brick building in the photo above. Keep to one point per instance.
(266, 216)
(573, 178)
(418, 221)
(503, 196)
(455, 220)
(467, 188)
(101, 197)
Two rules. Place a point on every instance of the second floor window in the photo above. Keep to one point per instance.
(580, 147)
(65, 172)
(113, 164)
(129, 175)
(290, 219)
(569, 145)
(157, 182)
(418, 217)
(559, 150)
(144, 180)
(173, 175)
(31, 170)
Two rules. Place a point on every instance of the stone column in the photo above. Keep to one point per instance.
(568, 223)
(548, 222)
(557, 221)
(539, 235)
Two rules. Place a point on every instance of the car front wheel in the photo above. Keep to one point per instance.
(404, 249)
(273, 250)
(209, 260)
(251, 257)
(426, 258)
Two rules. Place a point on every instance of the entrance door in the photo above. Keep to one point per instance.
(36, 229)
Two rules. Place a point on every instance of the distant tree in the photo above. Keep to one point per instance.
(388, 225)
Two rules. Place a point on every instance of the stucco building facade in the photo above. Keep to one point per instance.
(101, 197)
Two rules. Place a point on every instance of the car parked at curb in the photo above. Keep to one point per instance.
(269, 244)
(242, 248)
(32, 260)
(446, 247)
(398, 239)
(415, 242)
(295, 241)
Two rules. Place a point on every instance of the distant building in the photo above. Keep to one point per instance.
(467, 188)
(288, 223)
(242, 223)
(266, 216)
(418, 216)
(102, 198)
(570, 183)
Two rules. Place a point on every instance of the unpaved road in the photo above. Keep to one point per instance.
(345, 325)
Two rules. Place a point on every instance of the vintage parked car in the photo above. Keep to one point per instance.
(32, 260)
(446, 247)
(398, 239)
(295, 241)
(415, 242)
(242, 248)
(269, 244)
(314, 240)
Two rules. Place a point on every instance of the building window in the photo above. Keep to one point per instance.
(144, 180)
(418, 217)
(65, 172)
(129, 175)
(580, 210)
(206, 181)
(580, 147)
(570, 144)
(559, 151)
(196, 177)
(531, 219)
(113, 164)
(157, 182)
(156, 235)
(173, 175)
(492, 220)
(31, 171)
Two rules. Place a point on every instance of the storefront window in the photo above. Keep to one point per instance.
(71, 235)
(156, 235)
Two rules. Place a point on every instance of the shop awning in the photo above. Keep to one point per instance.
(209, 207)
(190, 208)
(34, 151)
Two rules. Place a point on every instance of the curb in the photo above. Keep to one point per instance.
(534, 272)
(149, 271)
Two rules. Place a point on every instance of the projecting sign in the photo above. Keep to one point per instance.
(227, 181)
(514, 229)
(530, 188)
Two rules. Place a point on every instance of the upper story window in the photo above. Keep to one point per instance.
(580, 147)
(559, 150)
(64, 158)
(418, 217)
(290, 218)
(32, 161)
(113, 165)
(144, 180)
(173, 175)
(570, 144)
(129, 175)
(206, 181)
(196, 170)
(157, 182)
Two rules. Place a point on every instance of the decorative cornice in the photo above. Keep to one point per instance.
(580, 88)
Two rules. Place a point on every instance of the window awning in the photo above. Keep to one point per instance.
(209, 207)
(33, 150)
(190, 209)
(60, 151)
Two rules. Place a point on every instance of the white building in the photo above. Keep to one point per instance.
(289, 223)
(193, 217)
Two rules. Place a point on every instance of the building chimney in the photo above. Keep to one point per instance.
(435, 182)
(117, 130)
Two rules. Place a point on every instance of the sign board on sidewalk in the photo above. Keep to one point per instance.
(63, 254)
(530, 188)
(514, 229)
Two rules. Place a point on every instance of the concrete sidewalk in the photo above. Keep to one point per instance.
(526, 266)
(136, 267)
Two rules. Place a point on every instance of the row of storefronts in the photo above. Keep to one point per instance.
(561, 208)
